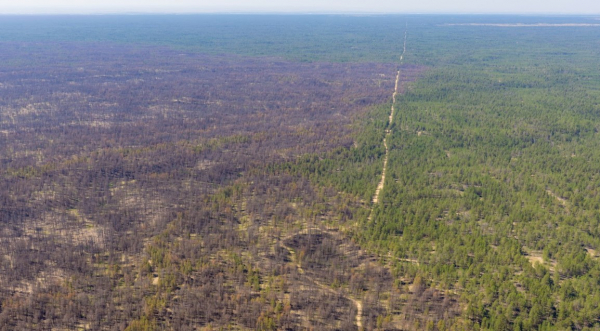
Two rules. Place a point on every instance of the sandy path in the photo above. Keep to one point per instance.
(357, 303)
(387, 132)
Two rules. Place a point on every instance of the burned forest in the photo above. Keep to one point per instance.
(147, 188)
(299, 172)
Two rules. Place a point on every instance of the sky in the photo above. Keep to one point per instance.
(589, 7)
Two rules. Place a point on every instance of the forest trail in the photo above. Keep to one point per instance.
(357, 303)
(387, 132)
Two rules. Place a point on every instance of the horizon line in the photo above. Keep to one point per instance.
(340, 13)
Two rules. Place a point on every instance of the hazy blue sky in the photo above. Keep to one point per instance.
(338, 6)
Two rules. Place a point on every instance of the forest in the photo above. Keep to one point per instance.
(217, 172)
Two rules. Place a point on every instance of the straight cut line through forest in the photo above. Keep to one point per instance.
(387, 134)
(357, 302)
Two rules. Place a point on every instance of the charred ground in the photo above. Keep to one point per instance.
(143, 188)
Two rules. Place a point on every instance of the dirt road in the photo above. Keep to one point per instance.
(387, 132)
(357, 303)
